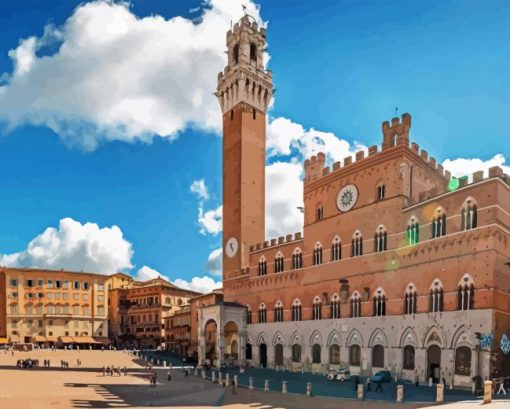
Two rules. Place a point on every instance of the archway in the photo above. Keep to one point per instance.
(278, 354)
(263, 355)
(231, 340)
(434, 363)
(210, 332)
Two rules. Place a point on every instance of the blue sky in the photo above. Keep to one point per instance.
(339, 67)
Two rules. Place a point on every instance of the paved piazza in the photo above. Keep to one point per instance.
(86, 387)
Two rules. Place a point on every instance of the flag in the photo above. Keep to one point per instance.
(486, 340)
(505, 344)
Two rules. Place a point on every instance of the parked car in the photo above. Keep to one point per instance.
(381, 376)
(340, 375)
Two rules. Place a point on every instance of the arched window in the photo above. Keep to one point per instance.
(262, 313)
(296, 310)
(297, 259)
(236, 53)
(410, 300)
(381, 192)
(463, 361)
(378, 356)
(253, 52)
(466, 294)
(296, 353)
(468, 215)
(248, 315)
(334, 354)
(379, 303)
(438, 226)
(278, 263)
(436, 297)
(319, 212)
(335, 306)
(317, 254)
(409, 357)
(262, 266)
(380, 239)
(354, 355)
(357, 244)
(336, 249)
(355, 305)
(316, 309)
(316, 354)
(278, 312)
(413, 231)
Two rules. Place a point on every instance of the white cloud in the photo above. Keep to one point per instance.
(466, 167)
(214, 263)
(211, 221)
(75, 246)
(285, 137)
(146, 273)
(199, 187)
(116, 76)
(200, 284)
(284, 193)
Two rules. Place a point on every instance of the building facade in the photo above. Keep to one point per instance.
(399, 266)
(41, 306)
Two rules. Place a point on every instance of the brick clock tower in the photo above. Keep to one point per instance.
(244, 91)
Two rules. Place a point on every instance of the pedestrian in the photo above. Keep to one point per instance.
(379, 386)
(233, 387)
(169, 376)
(369, 386)
(501, 386)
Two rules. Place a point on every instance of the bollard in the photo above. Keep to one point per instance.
(400, 393)
(473, 387)
(220, 377)
(213, 376)
(196, 371)
(440, 393)
(235, 379)
(164, 364)
(202, 372)
(250, 382)
(451, 385)
(266, 385)
(227, 379)
(360, 391)
(284, 386)
(487, 392)
(309, 389)
(430, 381)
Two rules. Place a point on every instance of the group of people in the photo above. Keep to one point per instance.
(111, 370)
(46, 363)
(64, 364)
(27, 363)
(378, 384)
(153, 377)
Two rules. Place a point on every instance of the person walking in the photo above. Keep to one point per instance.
(169, 376)
(369, 385)
(501, 386)
(379, 386)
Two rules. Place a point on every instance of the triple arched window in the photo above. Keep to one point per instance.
(410, 300)
(436, 297)
(379, 303)
(278, 312)
(278, 263)
(413, 231)
(297, 259)
(335, 306)
(438, 226)
(262, 313)
(357, 244)
(336, 249)
(262, 266)
(380, 239)
(466, 294)
(317, 309)
(468, 215)
(317, 254)
(296, 310)
(355, 305)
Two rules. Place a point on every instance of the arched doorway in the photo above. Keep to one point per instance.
(263, 355)
(434, 363)
(231, 341)
(278, 354)
(210, 332)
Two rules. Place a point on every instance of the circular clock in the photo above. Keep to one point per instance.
(347, 198)
(231, 247)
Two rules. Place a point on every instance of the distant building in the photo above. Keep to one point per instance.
(50, 306)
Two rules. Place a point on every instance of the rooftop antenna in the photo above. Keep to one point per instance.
(244, 8)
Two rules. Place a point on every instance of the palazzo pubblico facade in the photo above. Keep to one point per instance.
(399, 265)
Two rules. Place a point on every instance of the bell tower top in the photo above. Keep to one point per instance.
(244, 78)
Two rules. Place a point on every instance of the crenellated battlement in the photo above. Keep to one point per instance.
(397, 133)
(289, 238)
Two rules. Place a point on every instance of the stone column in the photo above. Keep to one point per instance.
(487, 392)
(242, 348)
(220, 345)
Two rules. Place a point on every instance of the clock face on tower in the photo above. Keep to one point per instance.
(231, 247)
(347, 198)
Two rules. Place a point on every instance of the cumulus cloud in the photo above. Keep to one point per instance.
(211, 221)
(199, 284)
(75, 246)
(214, 263)
(200, 189)
(146, 273)
(116, 76)
(466, 167)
